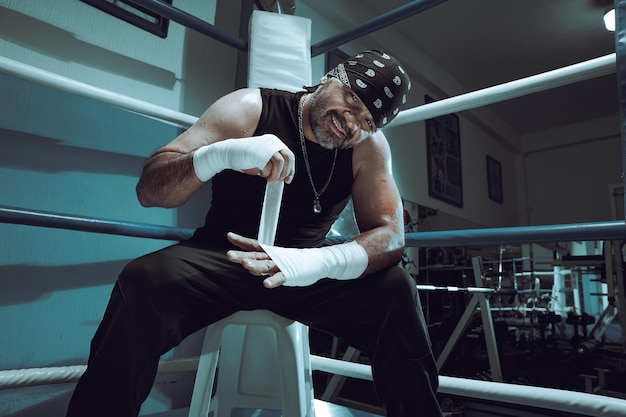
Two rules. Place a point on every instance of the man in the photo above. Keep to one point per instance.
(354, 290)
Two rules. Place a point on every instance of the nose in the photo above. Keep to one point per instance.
(351, 121)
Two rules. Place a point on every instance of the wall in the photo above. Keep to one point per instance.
(72, 155)
(482, 132)
(568, 172)
(55, 283)
(408, 144)
(539, 177)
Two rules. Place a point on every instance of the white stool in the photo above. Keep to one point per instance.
(263, 364)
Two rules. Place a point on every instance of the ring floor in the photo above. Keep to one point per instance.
(322, 409)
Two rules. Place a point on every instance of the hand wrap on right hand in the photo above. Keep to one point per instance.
(237, 154)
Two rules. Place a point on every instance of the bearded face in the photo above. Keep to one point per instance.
(327, 115)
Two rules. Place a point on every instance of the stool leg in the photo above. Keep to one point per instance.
(294, 352)
(205, 376)
(308, 372)
(227, 388)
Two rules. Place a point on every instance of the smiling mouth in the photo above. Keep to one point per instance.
(336, 127)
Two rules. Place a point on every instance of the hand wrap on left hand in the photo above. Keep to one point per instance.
(303, 267)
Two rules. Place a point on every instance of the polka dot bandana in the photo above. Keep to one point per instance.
(378, 80)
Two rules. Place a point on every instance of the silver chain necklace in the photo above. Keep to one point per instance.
(317, 207)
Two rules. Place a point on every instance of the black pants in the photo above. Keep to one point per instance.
(161, 298)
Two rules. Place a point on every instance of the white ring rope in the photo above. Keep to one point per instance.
(576, 403)
(568, 401)
(567, 75)
(546, 398)
(20, 378)
(58, 82)
(556, 78)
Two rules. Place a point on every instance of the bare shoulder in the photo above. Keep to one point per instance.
(235, 115)
(373, 153)
(242, 98)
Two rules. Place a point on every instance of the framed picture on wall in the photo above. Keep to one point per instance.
(135, 15)
(443, 149)
(494, 179)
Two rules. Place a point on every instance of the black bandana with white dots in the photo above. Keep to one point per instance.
(380, 82)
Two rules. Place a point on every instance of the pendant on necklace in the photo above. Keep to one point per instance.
(317, 207)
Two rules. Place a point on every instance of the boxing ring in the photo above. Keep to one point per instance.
(551, 399)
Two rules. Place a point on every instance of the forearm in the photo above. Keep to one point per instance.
(384, 248)
(167, 180)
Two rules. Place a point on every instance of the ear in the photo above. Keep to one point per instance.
(324, 79)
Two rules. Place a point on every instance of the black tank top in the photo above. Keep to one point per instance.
(237, 198)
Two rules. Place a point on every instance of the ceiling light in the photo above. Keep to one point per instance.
(609, 19)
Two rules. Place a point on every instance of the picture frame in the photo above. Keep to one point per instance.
(443, 149)
(494, 180)
(135, 15)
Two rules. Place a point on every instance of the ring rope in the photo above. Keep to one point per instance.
(574, 73)
(547, 398)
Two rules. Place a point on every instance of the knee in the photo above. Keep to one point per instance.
(134, 272)
(404, 315)
(141, 276)
(398, 285)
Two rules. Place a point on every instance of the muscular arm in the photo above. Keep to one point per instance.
(377, 204)
(168, 178)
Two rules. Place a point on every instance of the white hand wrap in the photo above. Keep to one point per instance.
(237, 154)
(302, 267)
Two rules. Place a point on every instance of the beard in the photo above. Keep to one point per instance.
(321, 121)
